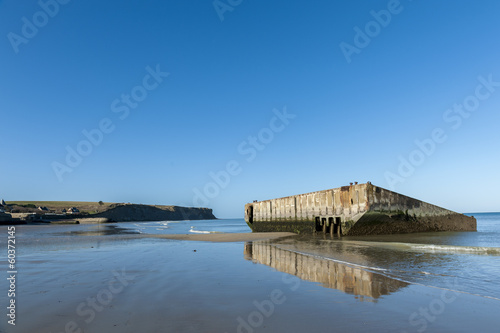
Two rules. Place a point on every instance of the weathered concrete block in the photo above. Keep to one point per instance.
(360, 209)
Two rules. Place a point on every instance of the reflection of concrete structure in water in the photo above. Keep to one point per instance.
(331, 274)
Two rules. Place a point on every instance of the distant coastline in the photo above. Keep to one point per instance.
(21, 212)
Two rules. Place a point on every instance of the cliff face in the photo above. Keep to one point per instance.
(132, 212)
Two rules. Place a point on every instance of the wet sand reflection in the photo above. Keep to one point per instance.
(329, 273)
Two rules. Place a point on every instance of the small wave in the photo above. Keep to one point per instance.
(433, 248)
(456, 249)
(202, 231)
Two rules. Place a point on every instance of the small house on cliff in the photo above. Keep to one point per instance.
(73, 210)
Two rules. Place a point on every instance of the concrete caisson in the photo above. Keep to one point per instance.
(359, 209)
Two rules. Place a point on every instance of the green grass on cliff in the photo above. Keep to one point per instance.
(58, 204)
(83, 206)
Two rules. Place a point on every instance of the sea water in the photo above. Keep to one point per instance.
(468, 262)
(185, 227)
(380, 282)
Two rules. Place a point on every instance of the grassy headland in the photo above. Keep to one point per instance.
(116, 212)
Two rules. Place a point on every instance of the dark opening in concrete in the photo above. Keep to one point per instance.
(317, 224)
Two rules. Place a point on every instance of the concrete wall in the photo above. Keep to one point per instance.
(346, 202)
(355, 209)
(382, 200)
(4, 217)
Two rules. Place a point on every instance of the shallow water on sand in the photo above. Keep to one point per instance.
(468, 262)
(398, 283)
(465, 261)
(185, 227)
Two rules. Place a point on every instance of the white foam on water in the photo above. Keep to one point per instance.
(202, 231)
(432, 248)
(456, 249)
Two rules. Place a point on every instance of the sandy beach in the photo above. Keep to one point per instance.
(73, 280)
(221, 237)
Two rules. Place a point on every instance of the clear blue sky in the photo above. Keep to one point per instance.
(356, 102)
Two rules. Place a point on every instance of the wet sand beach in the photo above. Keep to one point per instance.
(126, 282)
(233, 237)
